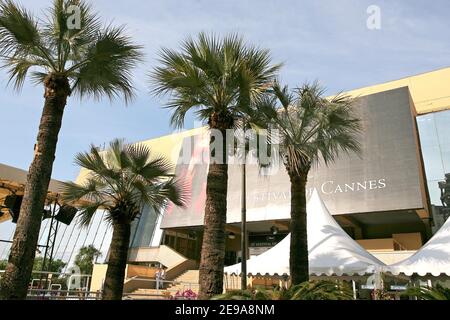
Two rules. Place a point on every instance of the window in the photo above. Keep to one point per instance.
(434, 132)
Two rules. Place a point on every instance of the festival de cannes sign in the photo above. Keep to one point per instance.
(328, 188)
(387, 176)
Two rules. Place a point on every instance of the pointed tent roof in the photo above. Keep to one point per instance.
(331, 250)
(433, 257)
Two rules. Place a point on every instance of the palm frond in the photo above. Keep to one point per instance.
(235, 295)
(312, 128)
(321, 290)
(91, 191)
(212, 75)
(87, 212)
(69, 40)
(91, 160)
(158, 195)
(138, 155)
(18, 69)
(122, 180)
(97, 60)
(117, 157)
(175, 192)
(21, 43)
(283, 95)
(438, 292)
(156, 169)
(106, 68)
(19, 33)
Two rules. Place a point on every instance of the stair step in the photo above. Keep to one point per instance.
(187, 280)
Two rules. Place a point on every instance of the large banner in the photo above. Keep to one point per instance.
(387, 176)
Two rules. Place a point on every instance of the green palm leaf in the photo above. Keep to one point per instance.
(98, 61)
(122, 180)
(210, 76)
(438, 292)
(321, 290)
(312, 128)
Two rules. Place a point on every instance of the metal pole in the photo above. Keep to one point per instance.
(50, 258)
(244, 227)
(48, 253)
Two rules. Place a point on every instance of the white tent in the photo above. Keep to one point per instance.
(331, 250)
(433, 258)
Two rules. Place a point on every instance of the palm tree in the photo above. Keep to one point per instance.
(321, 290)
(439, 292)
(216, 79)
(122, 181)
(86, 257)
(309, 290)
(90, 61)
(312, 129)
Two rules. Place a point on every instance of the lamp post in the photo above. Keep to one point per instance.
(244, 209)
(244, 226)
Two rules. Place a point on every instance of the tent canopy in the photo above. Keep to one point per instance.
(331, 250)
(433, 258)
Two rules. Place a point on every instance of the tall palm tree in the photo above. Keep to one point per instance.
(312, 129)
(122, 181)
(90, 61)
(216, 79)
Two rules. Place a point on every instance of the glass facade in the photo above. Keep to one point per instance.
(434, 132)
(143, 229)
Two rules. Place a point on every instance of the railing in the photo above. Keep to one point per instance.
(44, 288)
(51, 294)
(175, 262)
(49, 285)
(164, 292)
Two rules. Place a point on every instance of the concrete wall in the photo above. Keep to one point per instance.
(163, 254)
(98, 277)
(411, 241)
(429, 90)
(140, 271)
(391, 257)
(377, 244)
(399, 242)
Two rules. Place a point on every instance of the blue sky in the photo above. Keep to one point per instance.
(323, 39)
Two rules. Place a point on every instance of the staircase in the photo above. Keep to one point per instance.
(148, 294)
(187, 280)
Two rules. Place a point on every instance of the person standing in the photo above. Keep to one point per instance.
(158, 278)
(162, 277)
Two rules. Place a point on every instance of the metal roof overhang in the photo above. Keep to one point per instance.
(12, 181)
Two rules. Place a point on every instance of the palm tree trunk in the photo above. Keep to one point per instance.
(18, 271)
(298, 258)
(214, 236)
(117, 262)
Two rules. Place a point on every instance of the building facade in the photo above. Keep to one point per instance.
(388, 198)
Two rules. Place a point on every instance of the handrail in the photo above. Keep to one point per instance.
(55, 273)
(63, 291)
(164, 281)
